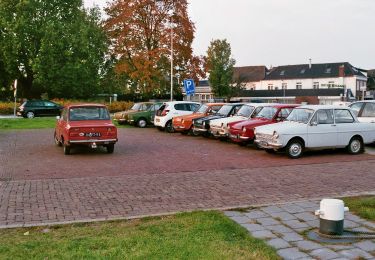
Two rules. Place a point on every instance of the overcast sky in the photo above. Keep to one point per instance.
(281, 32)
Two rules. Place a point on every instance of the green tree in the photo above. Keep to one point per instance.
(52, 46)
(219, 65)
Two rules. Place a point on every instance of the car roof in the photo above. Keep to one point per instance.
(316, 107)
(214, 104)
(180, 102)
(364, 101)
(85, 105)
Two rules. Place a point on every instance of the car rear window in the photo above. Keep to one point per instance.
(88, 113)
(160, 110)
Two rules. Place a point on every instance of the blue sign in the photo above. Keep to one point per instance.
(189, 86)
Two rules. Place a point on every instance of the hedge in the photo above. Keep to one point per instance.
(6, 108)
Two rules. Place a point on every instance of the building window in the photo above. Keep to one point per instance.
(315, 85)
(299, 85)
(270, 86)
(331, 84)
(284, 85)
(276, 88)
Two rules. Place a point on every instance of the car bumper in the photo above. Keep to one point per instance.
(218, 132)
(91, 141)
(268, 144)
(199, 129)
(160, 121)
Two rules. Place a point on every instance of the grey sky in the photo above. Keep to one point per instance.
(281, 32)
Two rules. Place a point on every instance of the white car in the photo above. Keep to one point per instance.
(364, 110)
(316, 127)
(165, 114)
(219, 127)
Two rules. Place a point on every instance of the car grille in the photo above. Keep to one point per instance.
(264, 137)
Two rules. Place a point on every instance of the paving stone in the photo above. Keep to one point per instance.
(337, 247)
(291, 253)
(233, 213)
(253, 227)
(305, 216)
(352, 217)
(279, 228)
(369, 224)
(267, 221)
(355, 254)
(313, 223)
(324, 253)
(255, 214)
(296, 224)
(292, 237)
(350, 224)
(263, 234)
(307, 245)
(271, 209)
(367, 245)
(240, 219)
(292, 208)
(307, 204)
(278, 243)
(282, 215)
(361, 229)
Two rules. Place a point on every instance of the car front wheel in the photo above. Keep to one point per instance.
(355, 146)
(294, 149)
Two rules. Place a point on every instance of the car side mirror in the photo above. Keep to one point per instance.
(314, 124)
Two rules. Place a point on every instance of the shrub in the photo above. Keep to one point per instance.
(7, 108)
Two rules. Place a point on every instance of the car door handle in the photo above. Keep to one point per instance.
(333, 125)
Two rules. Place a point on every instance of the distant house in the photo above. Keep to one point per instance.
(311, 83)
(248, 76)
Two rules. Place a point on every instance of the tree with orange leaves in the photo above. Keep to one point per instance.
(141, 32)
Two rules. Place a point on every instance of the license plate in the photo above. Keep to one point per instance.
(157, 120)
(92, 134)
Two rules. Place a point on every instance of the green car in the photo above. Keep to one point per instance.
(123, 116)
(144, 118)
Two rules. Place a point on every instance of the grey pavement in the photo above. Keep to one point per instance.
(284, 227)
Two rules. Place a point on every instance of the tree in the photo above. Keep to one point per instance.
(52, 46)
(219, 65)
(140, 33)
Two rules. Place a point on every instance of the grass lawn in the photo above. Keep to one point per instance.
(198, 235)
(35, 123)
(362, 206)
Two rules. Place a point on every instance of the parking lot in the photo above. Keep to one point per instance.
(153, 172)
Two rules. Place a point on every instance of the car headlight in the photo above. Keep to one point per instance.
(275, 135)
(182, 121)
(255, 131)
(243, 129)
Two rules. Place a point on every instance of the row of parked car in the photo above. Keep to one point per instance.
(273, 127)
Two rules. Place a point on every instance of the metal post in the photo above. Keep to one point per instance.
(171, 60)
(15, 98)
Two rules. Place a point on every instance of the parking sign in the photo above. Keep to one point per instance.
(189, 86)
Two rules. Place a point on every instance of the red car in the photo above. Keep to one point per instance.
(243, 132)
(85, 124)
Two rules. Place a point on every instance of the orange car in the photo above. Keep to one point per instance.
(183, 124)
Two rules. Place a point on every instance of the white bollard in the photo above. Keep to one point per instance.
(331, 214)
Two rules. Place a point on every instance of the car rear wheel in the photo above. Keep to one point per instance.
(169, 127)
(110, 148)
(57, 141)
(355, 146)
(30, 114)
(142, 123)
(66, 149)
(294, 149)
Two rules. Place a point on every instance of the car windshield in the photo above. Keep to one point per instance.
(301, 115)
(88, 113)
(201, 109)
(267, 112)
(225, 110)
(137, 107)
(245, 111)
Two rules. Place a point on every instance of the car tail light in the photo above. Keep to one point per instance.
(165, 112)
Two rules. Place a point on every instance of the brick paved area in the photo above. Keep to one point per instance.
(149, 174)
(283, 227)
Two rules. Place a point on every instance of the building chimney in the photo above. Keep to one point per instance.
(342, 71)
(309, 63)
